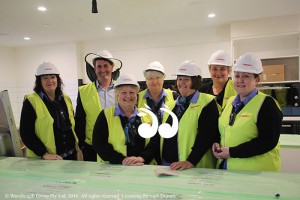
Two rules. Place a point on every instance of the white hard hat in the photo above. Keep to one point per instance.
(248, 63)
(126, 79)
(107, 55)
(220, 58)
(188, 68)
(156, 66)
(46, 68)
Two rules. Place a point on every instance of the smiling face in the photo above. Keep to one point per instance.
(103, 70)
(49, 83)
(219, 74)
(184, 84)
(244, 83)
(127, 96)
(154, 81)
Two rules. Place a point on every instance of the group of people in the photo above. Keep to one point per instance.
(225, 123)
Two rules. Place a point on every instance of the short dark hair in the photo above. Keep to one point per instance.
(256, 75)
(196, 83)
(38, 85)
(101, 58)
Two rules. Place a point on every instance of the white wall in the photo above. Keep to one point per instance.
(8, 77)
(169, 48)
(7, 65)
(18, 67)
(267, 26)
(270, 38)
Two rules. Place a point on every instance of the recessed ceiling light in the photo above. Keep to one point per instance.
(108, 28)
(42, 8)
(212, 15)
(26, 38)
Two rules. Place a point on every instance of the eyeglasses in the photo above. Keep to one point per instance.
(63, 123)
(232, 118)
(130, 133)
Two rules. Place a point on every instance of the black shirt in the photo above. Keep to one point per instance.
(207, 88)
(80, 122)
(64, 138)
(106, 151)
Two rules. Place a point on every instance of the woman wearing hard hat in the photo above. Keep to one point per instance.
(250, 124)
(197, 114)
(221, 86)
(115, 135)
(155, 96)
(47, 120)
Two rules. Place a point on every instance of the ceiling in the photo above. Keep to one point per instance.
(72, 20)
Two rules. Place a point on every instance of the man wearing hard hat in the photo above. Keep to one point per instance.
(221, 86)
(92, 98)
(250, 124)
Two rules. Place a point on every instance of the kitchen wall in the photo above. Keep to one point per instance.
(169, 48)
(18, 65)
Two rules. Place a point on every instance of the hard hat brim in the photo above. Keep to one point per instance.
(154, 70)
(90, 58)
(36, 75)
(184, 74)
(247, 71)
(220, 64)
(115, 86)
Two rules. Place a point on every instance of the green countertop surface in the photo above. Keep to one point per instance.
(289, 140)
(23, 178)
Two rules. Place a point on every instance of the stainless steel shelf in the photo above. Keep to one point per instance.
(294, 118)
